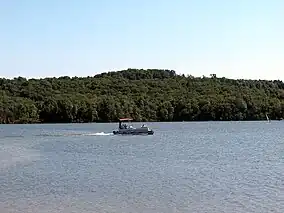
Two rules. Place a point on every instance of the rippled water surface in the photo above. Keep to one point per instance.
(184, 167)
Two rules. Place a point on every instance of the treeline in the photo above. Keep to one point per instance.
(145, 95)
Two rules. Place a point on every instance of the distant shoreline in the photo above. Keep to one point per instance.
(145, 95)
(115, 122)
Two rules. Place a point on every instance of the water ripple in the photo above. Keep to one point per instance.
(185, 167)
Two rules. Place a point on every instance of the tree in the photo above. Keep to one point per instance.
(145, 95)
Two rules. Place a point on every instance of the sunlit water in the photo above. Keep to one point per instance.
(184, 167)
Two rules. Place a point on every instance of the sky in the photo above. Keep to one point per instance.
(230, 38)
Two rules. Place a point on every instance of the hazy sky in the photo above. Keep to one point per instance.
(231, 38)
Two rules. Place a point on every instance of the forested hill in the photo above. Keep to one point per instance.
(145, 95)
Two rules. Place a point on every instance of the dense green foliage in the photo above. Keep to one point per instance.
(145, 95)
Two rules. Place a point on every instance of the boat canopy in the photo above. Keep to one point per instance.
(125, 119)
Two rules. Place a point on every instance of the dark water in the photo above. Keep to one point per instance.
(184, 167)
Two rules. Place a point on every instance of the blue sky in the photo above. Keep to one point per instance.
(231, 38)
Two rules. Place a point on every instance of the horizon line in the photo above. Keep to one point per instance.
(118, 70)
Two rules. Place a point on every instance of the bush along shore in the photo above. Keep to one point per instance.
(144, 95)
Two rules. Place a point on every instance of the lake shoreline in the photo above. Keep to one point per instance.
(113, 122)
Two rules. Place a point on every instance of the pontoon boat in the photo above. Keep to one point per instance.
(124, 129)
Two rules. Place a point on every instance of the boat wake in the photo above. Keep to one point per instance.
(58, 135)
(75, 134)
(98, 134)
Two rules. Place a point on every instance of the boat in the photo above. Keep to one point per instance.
(128, 129)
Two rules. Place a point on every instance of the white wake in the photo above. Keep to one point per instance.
(98, 134)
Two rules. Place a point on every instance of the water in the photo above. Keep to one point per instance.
(184, 167)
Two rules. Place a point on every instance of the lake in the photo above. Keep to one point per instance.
(184, 167)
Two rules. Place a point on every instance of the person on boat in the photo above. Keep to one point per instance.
(123, 126)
